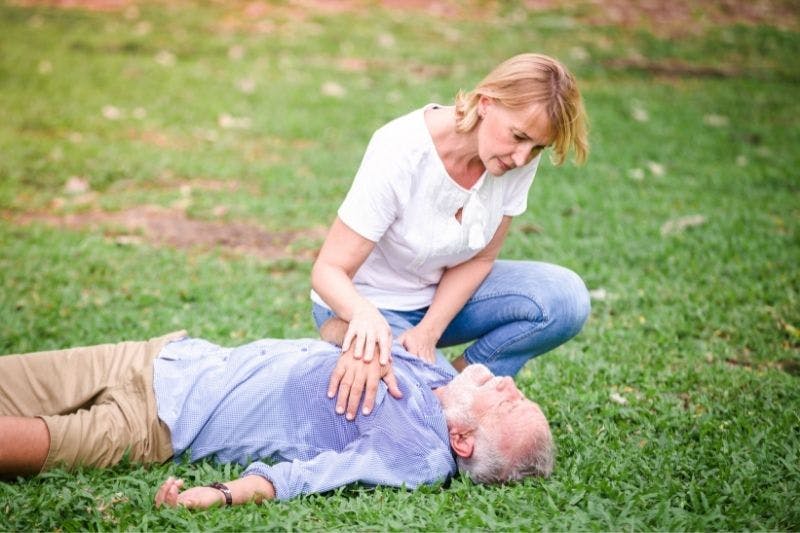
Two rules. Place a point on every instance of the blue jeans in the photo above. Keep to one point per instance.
(521, 310)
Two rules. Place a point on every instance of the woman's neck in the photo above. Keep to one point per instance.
(458, 151)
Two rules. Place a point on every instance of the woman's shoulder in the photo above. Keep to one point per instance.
(409, 128)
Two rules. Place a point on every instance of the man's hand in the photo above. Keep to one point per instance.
(353, 377)
(420, 341)
(247, 489)
(170, 494)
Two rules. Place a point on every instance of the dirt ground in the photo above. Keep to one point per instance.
(171, 227)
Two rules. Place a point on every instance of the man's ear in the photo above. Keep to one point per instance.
(462, 442)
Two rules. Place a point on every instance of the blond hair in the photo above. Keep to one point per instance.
(528, 79)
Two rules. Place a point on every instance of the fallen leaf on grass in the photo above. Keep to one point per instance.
(229, 122)
(112, 112)
(246, 85)
(76, 185)
(598, 294)
(386, 40)
(678, 225)
(790, 329)
(579, 53)
(165, 58)
(716, 121)
(331, 88)
(636, 174)
(142, 28)
(640, 114)
(236, 52)
(618, 398)
(656, 169)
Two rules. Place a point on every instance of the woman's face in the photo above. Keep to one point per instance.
(509, 138)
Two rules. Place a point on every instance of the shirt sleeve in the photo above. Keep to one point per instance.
(515, 197)
(375, 197)
(378, 458)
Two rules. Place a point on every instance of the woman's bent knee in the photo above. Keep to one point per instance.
(577, 303)
(560, 294)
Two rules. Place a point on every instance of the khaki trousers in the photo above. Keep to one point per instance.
(97, 402)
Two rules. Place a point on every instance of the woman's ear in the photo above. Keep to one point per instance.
(483, 104)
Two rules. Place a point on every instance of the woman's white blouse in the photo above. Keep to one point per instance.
(403, 199)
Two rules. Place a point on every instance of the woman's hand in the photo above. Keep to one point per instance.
(367, 330)
(353, 377)
(170, 494)
(420, 341)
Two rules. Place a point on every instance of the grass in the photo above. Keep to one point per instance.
(675, 409)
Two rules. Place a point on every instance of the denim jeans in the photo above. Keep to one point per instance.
(521, 310)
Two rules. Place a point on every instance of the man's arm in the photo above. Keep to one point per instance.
(407, 454)
(247, 489)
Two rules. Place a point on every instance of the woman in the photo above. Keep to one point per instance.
(413, 251)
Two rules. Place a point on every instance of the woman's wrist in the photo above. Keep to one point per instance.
(431, 328)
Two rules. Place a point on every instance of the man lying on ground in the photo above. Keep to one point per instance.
(267, 399)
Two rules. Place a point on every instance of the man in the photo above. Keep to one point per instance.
(170, 395)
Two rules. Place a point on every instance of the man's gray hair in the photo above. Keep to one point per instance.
(487, 464)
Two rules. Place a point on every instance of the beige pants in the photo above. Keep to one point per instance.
(97, 402)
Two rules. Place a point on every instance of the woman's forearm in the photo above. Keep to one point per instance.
(455, 288)
(341, 255)
(336, 288)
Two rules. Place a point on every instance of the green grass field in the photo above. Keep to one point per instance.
(677, 406)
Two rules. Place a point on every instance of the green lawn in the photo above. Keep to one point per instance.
(677, 406)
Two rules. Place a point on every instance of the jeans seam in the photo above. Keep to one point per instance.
(492, 357)
(541, 308)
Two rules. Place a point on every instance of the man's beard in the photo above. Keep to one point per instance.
(461, 393)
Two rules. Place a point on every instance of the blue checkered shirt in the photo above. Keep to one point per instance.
(267, 401)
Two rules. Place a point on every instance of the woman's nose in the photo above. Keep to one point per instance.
(523, 153)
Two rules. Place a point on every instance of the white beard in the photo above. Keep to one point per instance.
(461, 394)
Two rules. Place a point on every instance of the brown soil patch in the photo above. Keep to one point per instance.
(88, 5)
(673, 68)
(170, 227)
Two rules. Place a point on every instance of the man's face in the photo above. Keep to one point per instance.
(496, 404)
